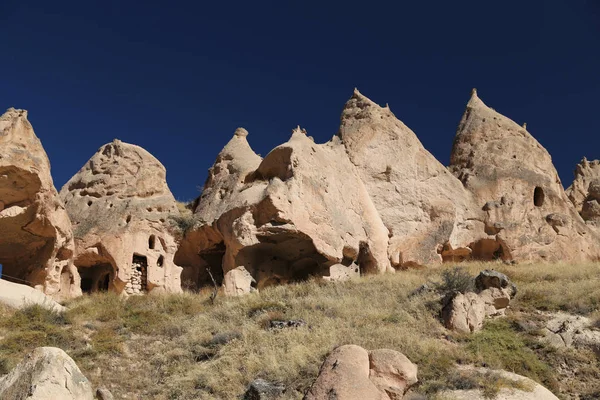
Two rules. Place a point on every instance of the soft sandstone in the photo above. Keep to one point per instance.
(528, 216)
(36, 241)
(353, 373)
(301, 211)
(47, 373)
(121, 208)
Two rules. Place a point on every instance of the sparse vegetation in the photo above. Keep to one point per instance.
(183, 222)
(184, 347)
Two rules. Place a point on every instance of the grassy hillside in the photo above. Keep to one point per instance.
(186, 347)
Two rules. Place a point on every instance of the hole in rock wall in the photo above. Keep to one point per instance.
(538, 196)
(95, 278)
(152, 242)
(489, 250)
(160, 262)
(282, 257)
(138, 275)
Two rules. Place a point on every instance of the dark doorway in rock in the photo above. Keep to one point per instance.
(95, 278)
(538, 196)
(213, 257)
(152, 242)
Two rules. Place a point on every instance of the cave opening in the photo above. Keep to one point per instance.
(538, 196)
(95, 278)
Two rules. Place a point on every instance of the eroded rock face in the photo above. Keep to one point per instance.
(464, 313)
(301, 211)
(36, 241)
(426, 209)
(353, 373)
(584, 193)
(20, 296)
(524, 388)
(527, 213)
(120, 206)
(47, 373)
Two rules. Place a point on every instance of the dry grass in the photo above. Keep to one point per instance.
(182, 347)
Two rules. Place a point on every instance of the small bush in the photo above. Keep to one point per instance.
(455, 279)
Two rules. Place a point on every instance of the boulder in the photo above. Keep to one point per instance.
(36, 245)
(352, 373)
(47, 373)
(513, 180)
(428, 212)
(103, 393)
(493, 279)
(301, 211)
(121, 209)
(259, 389)
(526, 389)
(584, 192)
(496, 301)
(464, 313)
(19, 296)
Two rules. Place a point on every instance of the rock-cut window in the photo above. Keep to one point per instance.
(538, 196)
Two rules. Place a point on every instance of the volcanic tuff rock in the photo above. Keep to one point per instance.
(353, 373)
(47, 373)
(426, 209)
(527, 213)
(120, 205)
(20, 296)
(36, 241)
(585, 191)
(301, 211)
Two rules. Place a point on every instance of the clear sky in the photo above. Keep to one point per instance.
(177, 77)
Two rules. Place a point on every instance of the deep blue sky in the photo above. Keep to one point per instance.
(178, 77)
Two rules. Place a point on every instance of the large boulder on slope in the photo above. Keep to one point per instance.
(523, 388)
(121, 208)
(353, 373)
(47, 373)
(301, 211)
(584, 192)
(36, 241)
(426, 209)
(527, 213)
(19, 296)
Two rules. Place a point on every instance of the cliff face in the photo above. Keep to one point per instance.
(119, 203)
(371, 200)
(301, 211)
(36, 241)
(513, 179)
(584, 193)
(426, 209)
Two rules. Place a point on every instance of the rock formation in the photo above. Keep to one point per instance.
(425, 208)
(47, 373)
(353, 373)
(584, 193)
(524, 388)
(301, 211)
(120, 206)
(20, 296)
(36, 241)
(528, 216)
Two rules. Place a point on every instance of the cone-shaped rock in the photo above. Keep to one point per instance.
(584, 193)
(301, 211)
(120, 206)
(425, 208)
(36, 242)
(513, 179)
